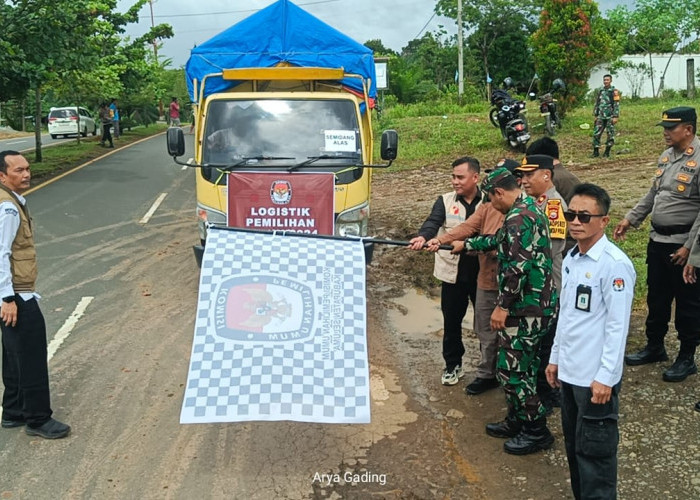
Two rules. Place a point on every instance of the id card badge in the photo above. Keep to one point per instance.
(583, 298)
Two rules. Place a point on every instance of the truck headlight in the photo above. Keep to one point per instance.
(353, 222)
(206, 215)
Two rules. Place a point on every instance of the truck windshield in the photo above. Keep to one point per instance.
(281, 133)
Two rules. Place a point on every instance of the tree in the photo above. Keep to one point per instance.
(378, 47)
(570, 42)
(59, 42)
(489, 21)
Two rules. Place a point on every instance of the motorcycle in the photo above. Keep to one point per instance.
(508, 115)
(548, 107)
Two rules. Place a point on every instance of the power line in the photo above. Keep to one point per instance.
(237, 11)
(426, 25)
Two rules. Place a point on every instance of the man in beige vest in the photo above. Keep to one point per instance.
(457, 273)
(25, 374)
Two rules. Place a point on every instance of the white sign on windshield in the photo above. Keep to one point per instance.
(340, 140)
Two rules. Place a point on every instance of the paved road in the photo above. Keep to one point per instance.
(28, 143)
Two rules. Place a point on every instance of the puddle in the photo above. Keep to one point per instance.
(419, 314)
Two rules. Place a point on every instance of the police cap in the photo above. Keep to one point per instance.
(534, 162)
(675, 116)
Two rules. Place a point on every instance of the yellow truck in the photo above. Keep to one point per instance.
(296, 101)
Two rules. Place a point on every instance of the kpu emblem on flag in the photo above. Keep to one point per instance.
(259, 308)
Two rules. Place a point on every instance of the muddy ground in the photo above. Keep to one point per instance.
(659, 449)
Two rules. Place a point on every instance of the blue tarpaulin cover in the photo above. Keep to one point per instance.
(281, 32)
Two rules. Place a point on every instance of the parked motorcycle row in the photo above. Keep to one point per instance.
(508, 114)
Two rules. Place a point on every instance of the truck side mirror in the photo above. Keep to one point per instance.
(176, 141)
(390, 144)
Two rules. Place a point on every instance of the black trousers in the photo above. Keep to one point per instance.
(591, 436)
(454, 302)
(544, 390)
(25, 371)
(665, 282)
(107, 134)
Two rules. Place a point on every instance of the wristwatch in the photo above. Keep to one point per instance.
(9, 299)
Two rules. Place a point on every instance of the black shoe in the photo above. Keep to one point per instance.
(650, 354)
(533, 437)
(507, 428)
(51, 429)
(12, 423)
(606, 154)
(596, 153)
(680, 370)
(480, 385)
(697, 406)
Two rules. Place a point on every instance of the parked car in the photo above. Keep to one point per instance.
(64, 121)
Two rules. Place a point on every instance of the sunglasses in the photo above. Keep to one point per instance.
(583, 218)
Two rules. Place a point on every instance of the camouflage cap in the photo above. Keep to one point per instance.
(504, 163)
(675, 116)
(533, 162)
(494, 178)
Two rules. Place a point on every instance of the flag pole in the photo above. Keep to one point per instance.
(378, 241)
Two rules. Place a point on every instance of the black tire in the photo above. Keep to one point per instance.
(558, 118)
(493, 116)
(84, 132)
(54, 136)
(94, 131)
(549, 126)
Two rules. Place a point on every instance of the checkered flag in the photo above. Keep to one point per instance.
(280, 332)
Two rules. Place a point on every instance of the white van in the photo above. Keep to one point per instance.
(71, 121)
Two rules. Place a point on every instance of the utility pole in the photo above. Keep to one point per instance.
(155, 53)
(460, 52)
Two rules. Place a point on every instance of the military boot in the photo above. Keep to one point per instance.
(533, 437)
(606, 153)
(683, 366)
(596, 152)
(506, 428)
(652, 353)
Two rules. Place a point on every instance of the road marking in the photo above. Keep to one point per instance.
(153, 208)
(189, 162)
(14, 142)
(67, 328)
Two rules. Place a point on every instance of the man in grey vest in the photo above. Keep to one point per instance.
(457, 273)
(25, 374)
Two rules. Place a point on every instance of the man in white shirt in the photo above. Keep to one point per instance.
(587, 356)
(26, 400)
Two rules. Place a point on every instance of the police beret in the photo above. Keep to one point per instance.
(504, 163)
(674, 116)
(533, 162)
(494, 178)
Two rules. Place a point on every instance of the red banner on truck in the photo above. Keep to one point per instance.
(299, 202)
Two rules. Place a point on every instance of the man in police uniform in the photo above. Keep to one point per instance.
(538, 177)
(674, 204)
(606, 112)
(586, 361)
(25, 373)
(457, 273)
(524, 309)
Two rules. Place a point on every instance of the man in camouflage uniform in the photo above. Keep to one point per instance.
(606, 112)
(524, 309)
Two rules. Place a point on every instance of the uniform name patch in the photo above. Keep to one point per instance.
(557, 223)
(11, 211)
(618, 284)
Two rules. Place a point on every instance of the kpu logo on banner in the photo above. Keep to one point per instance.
(262, 308)
(281, 192)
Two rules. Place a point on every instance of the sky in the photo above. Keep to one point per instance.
(395, 22)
